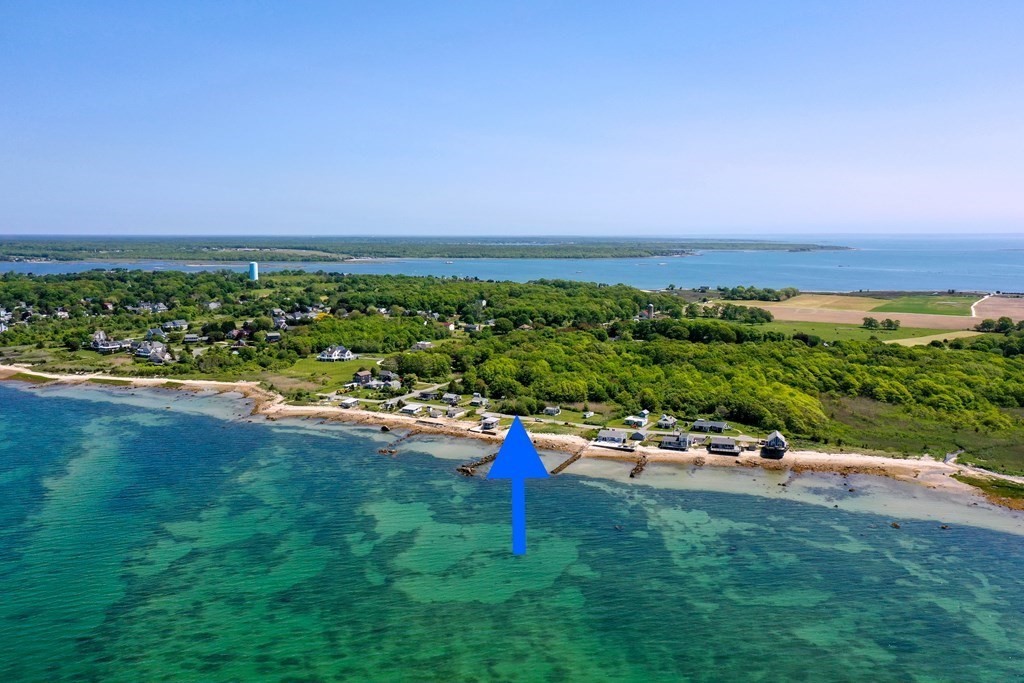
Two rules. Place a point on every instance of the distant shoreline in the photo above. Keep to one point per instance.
(925, 471)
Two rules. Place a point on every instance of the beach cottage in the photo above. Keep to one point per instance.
(611, 437)
(723, 445)
(776, 443)
(710, 426)
(636, 421)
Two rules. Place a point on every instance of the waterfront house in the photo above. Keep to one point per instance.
(637, 436)
(390, 404)
(451, 399)
(412, 409)
(710, 426)
(434, 412)
(613, 437)
(333, 354)
(455, 411)
(349, 402)
(723, 445)
(776, 443)
(489, 423)
(159, 355)
(679, 442)
(636, 421)
(552, 410)
(362, 377)
(147, 348)
(667, 422)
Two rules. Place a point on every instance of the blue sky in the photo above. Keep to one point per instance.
(593, 118)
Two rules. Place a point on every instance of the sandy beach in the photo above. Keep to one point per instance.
(925, 471)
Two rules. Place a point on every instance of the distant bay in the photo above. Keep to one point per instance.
(906, 264)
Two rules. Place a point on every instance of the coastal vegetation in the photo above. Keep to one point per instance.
(339, 249)
(613, 350)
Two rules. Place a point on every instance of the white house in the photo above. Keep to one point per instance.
(636, 421)
(614, 437)
(335, 353)
(349, 402)
(667, 422)
(412, 409)
(422, 346)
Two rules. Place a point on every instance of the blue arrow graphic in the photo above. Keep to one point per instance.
(518, 460)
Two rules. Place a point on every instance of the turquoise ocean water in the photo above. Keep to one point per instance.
(139, 543)
(891, 263)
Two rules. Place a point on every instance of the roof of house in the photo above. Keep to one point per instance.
(710, 423)
(611, 435)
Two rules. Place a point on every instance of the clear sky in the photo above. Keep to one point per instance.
(596, 118)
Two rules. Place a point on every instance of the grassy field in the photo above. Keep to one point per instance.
(937, 304)
(833, 302)
(942, 336)
(311, 374)
(840, 331)
(944, 304)
(874, 426)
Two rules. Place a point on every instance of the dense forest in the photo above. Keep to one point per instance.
(335, 249)
(574, 344)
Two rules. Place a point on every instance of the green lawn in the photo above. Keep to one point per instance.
(941, 304)
(844, 332)
(324, 376)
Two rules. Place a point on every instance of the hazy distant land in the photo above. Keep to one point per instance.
(334, 249)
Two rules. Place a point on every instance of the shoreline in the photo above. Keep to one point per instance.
(923, 471)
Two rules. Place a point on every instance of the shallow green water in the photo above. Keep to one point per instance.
(147, 545)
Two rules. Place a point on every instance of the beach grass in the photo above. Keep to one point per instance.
(29, 377)
(874, 426)
(1005, 492)
(936, 304)
(111, 382)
